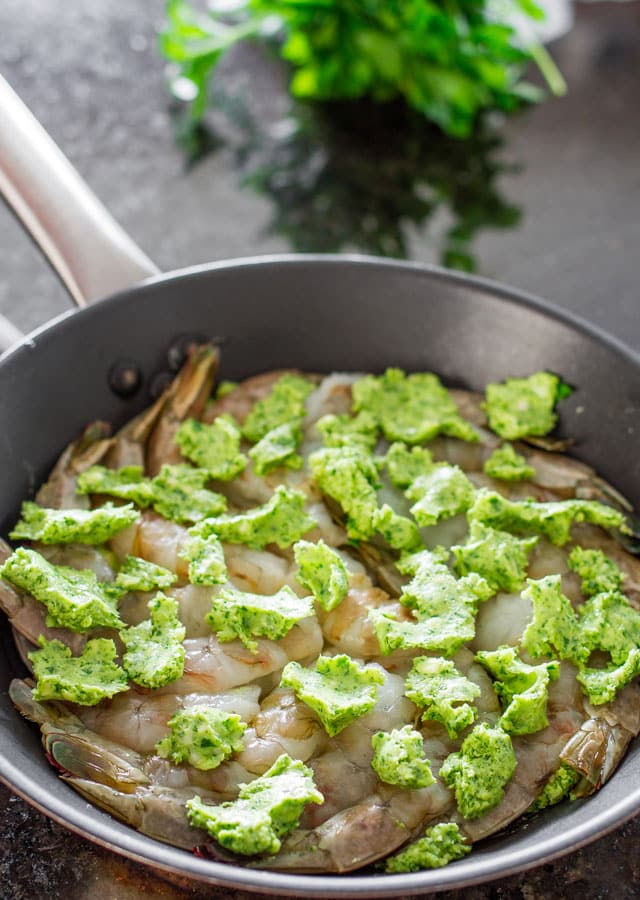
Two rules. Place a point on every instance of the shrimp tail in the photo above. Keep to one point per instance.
(382, 563)
(596, 488)
(127, 447)
(81, 756)
(74, 749)
(59, 490)
(185, 397)
(594, 751)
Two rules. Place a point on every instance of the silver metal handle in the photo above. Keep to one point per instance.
(88, 249)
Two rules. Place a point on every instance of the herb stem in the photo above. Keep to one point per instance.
(550, 72)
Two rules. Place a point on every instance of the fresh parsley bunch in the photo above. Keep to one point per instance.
(449, 59)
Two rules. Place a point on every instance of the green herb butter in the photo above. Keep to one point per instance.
(282, 521)
(179, 494)
(444, 492)
(554, 629)
(480, 770)
(127, 483)
(405, 464)
(498, 556)
(440, 845)
(524, 406)
(599, 574)
(523, 689)
(321, 571)
(202, 737)
(65, 526)
(277, 448)
(74, 598)
(557, 788)
(442, 692)
(205, 556)
(349, 431)
(411, 408)
(398, 758)
(507, 465)
(602, 685)
(236, 614)
(141, 575)
(608, 622)
(86, 679)
(266, 809)
(445, 608)
(337, 689)
(225, 388)
(553, 519)
(155, 653)
(349, 476)
(398, 531)
(214, 448)
(283, 404)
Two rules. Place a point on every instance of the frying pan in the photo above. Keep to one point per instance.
(319, 313)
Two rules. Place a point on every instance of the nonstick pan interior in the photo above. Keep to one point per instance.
(318, 314)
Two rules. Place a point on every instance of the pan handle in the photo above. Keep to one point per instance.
(87, 248)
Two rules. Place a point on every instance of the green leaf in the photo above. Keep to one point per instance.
(451, 62)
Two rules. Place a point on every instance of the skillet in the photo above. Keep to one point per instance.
(320, 313)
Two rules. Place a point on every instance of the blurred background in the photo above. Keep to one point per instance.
(544, 197)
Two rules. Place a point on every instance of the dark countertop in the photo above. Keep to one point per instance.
(553, 196)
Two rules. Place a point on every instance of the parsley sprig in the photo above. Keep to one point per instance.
(449, 59)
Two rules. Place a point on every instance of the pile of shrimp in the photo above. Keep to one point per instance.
(107, 752)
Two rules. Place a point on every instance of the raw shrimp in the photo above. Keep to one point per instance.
(360, 834)
(347, 627)
(214, 666)
(594, 538)
(108, 761)
(157, 811)
(333, 395)
(80, 556)
(283, 725)
(108, 751)
(28, 616)
(361, 818)
(116, 747)
(255, 571)
(138, 719)
(244, 396)
(160, 541)
(155, 539)
(343, 773)
(59, 490)
(384, 820)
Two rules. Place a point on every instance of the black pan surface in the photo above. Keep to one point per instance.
(319, 314)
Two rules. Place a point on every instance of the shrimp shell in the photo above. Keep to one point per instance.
(156, 810)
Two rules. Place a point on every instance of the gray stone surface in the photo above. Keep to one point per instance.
(89, 71)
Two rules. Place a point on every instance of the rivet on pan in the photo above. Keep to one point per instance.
(159, 382)
(125, 378)
(180, 347)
